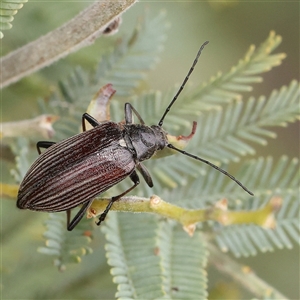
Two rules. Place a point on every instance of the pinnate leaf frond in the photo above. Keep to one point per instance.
(8, 9)
(223, 88)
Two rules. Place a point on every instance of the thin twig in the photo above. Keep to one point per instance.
(241, 274)
(190, 217)
(79, 32)
(187, 217)
(40, 125)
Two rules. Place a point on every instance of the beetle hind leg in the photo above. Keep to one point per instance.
(135, 178)
(78, 217)
(70, 225)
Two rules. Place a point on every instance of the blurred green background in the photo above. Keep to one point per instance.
(231, 27)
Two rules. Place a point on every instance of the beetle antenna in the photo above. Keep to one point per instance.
(212, 165)
(183, 83)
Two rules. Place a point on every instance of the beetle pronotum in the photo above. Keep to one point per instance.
(74, 171)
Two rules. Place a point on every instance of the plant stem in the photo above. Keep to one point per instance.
(241, 274)
(187, 217)
(41, 125)
(79, 32)
(190, 217)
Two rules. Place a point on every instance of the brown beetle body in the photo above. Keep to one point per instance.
(85, 165)
(88, 164)
(76, 170)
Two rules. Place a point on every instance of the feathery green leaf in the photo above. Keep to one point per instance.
(8, 8)
(126, 65)
(131, 254)
(222, 133)
(280, 181)
(141, 49)
(183, 260)
(67, 247)
(225, 88)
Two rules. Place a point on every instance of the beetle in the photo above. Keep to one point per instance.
(74, 171)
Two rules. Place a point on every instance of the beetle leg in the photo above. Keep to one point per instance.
(128, 114)
(146, 175)
(79, 215)
(90, 119)
(68, 217)
(135, 178)
(43, 144)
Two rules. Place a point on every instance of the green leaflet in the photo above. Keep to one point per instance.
(154, 260)
(23, 161)
(67, 247)
(183, 262)
(131, 254)
(279, 181)
(223, 88)
(126, 65)
(7, 10)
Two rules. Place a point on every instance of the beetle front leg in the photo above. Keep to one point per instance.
(43, 144)
(135, 178)
(128, 114)
(90, 119)
(146, 175)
